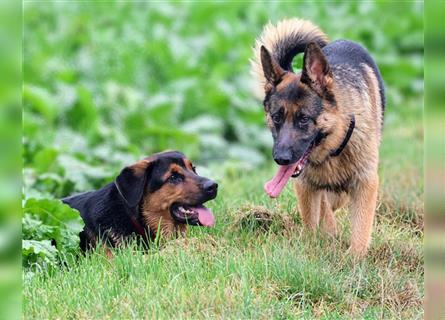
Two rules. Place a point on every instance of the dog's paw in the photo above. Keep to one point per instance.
(357, 252)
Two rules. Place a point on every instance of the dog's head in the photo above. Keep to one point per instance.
(167, 191)
(301, 111)
(298, 105)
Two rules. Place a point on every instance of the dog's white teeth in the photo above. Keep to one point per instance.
(185, 211)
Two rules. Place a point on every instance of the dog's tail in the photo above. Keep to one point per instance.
(284, 41)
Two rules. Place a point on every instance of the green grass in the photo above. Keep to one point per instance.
(246, 269)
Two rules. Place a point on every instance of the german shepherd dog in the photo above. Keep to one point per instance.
(326, 123)
(161, 193)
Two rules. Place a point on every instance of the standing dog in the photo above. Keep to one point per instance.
(326, 122)
(162, 193)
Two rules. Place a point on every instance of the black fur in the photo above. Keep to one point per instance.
(161, 166)
(339, 187)
(130, 186)
(108, 212)
(345, 52)
(284, 51)
(103, 211)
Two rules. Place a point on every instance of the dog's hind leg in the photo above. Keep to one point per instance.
(84, 241)
(363, 205)
(309, 202)
(87, 239)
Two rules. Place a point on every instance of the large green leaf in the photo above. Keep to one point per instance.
(64, 221)
(38, 251)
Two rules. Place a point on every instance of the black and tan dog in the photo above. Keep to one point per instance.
(161, 192)
(326, 122)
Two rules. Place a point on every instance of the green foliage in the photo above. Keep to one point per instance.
(132, 79)
(50, 230)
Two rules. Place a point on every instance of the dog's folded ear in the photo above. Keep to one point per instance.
(132, 180)
(316, 71)
(271, 69)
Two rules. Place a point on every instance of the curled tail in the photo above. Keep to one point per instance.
(284, 41)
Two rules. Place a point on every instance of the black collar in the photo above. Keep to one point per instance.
(346, 139)
(132, 214)
(138, 226)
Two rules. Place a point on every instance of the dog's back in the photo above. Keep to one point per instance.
(345, 52)
(102, 210)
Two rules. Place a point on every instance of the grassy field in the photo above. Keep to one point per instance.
(107, 83)
(258, 262)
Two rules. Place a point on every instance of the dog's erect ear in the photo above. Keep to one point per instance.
(271, 69)
(316, 71)
(132, 180)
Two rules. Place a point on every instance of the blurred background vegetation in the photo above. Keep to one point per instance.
(107, 83)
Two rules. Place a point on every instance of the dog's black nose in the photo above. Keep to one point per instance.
(210, 187)
(282, 155)
(283, 160)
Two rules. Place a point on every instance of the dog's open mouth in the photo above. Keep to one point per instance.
(193, 215)
(274, 186)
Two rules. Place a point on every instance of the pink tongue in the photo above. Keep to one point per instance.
(205, 216)
(273, 187)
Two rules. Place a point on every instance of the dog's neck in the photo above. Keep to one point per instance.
(138, 226)
(345, 141)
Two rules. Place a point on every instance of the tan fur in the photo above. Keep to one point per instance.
(359, 160)
(156, 206)
(357, 163)
(142, 165)
(329, 225)
(309, 202)
(115, 238)
(363, 204)
(374, 96)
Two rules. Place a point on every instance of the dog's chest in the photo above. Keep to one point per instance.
(331, 175)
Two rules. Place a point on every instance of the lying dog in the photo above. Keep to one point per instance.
(326, 123)
(162, 192)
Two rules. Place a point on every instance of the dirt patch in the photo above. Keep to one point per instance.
(261, 219)
(403, 214)
(404, 257)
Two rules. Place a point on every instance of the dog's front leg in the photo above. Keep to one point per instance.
(328, 223)
(363, 205)
(309, 202)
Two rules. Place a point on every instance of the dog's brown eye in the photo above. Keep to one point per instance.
(304, 120)
(175, 178)
(277, 117)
